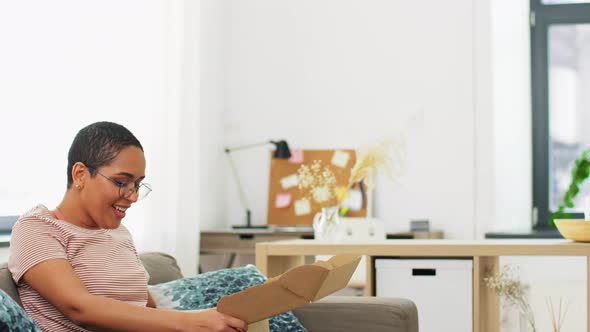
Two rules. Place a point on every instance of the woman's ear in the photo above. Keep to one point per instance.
(79, 175)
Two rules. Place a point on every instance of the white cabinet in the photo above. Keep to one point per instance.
(440, 288)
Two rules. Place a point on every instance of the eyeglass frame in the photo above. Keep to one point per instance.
(131, 191)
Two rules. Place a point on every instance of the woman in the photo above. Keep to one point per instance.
(76, 266)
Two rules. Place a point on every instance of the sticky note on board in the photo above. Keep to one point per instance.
(354, 202)
(283, 200)
(296, 156)
(302, 207)
(340, 158)
(289, 181)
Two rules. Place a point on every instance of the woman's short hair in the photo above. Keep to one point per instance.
(97, 145)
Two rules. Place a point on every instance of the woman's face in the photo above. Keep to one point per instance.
(104, 206)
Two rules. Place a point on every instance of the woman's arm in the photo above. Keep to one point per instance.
(151, 302)
(56, 281)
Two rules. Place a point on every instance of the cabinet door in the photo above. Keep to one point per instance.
(440, 288)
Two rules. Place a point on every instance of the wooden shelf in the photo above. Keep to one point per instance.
(274, 258)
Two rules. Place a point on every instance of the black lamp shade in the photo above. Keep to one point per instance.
(282, 150)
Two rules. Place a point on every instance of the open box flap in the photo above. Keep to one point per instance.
(260, 302)
(305, 281)
(343, 267)
(294, 288)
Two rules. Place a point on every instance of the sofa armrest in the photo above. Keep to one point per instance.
(353, 314)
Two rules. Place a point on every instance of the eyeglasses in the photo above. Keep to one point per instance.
(128, 189)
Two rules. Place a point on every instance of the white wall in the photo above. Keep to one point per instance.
(503, 115)
(66, 64)
(512, 115)
(213, 52)
(60, 70)
(484, 200)
(330, 74)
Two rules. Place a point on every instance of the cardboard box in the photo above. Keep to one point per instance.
(295, 288)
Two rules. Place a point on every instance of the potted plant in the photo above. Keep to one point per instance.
(580, 172)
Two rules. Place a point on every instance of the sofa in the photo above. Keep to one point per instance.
(331, 314)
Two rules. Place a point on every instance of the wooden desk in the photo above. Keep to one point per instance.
(243, 241)
(235, 242)
(240, 241)
(274, 258)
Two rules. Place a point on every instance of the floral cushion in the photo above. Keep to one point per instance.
(205, 290)
(13, 317)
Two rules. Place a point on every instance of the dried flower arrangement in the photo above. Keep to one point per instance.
(319, 183)
(506, 284)
(386, 157)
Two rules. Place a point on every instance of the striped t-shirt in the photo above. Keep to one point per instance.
(105, 260)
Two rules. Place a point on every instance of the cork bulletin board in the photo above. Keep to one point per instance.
(285, 198)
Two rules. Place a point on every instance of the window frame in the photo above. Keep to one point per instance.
(541, 17)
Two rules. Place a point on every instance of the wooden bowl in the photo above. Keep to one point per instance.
(574, 229)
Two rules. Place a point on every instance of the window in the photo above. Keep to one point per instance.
(6, 223)
(70, 78)
(560, 50)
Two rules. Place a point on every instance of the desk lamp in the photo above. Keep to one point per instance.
(281, 152)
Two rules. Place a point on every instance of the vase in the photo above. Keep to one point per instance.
(325, 224)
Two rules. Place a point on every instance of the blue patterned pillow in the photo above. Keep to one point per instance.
(13, 317)
(205, 290)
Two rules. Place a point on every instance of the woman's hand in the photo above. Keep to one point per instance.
(211, 320)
